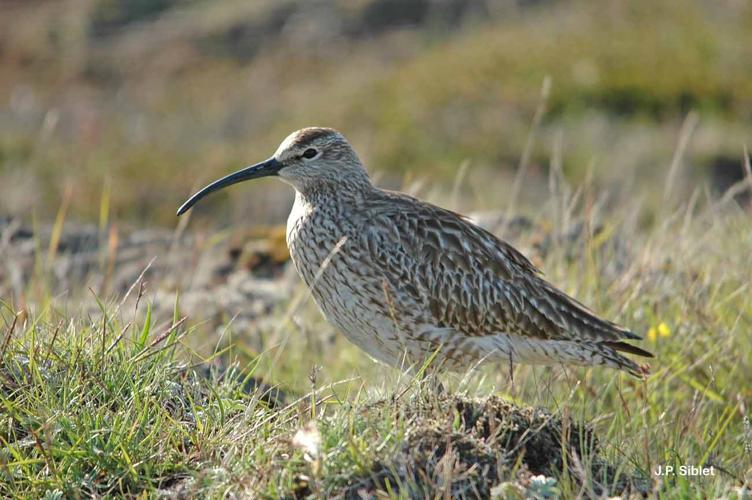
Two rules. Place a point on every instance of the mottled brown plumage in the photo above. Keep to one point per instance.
(404, 279)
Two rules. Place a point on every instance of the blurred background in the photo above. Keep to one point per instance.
(118, 109)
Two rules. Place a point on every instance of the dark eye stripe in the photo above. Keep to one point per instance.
(310, 153)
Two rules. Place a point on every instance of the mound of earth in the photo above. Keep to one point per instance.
(491, 448)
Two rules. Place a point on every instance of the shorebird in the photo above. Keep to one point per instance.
(406, 280)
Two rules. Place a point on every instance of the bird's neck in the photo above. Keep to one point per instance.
(313, 206)
(332, 194)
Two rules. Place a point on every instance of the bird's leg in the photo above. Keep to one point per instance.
(429, 379)
(435, 385)
(511, 372)
(426, 380)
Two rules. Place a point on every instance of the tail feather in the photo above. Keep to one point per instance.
(609, 351)
(629, 348)
(512, 348)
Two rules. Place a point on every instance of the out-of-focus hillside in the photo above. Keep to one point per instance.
(131, 104)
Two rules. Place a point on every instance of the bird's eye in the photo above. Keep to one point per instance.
(310, 153)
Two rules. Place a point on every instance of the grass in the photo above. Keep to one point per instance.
(103, 401)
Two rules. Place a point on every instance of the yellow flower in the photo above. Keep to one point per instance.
(652, 334)
(664, 330)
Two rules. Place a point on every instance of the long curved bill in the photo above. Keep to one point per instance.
(263, 169)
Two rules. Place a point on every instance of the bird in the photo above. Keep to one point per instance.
(408, 281)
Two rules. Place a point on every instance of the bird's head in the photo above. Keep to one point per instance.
(308, 159)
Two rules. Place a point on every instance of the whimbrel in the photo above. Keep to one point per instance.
(405, 280)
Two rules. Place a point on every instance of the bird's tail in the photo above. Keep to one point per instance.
(587, 353)
(610, 355)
